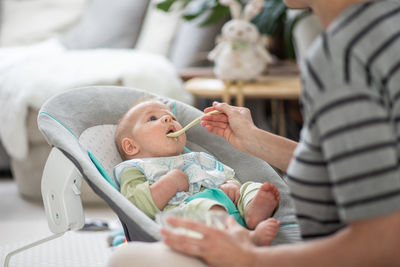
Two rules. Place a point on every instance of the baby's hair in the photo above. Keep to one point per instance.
(121, 131)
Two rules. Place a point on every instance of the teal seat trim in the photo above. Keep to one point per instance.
(95, 161)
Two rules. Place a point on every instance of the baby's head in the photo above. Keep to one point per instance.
(142, 132)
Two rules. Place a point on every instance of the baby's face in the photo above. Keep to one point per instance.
(151, 122)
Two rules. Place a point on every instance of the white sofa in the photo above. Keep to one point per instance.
(118, 24)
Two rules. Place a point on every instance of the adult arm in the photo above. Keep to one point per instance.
(237, 127)
(372, 242)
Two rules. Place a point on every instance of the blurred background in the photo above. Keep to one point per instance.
(49, 46)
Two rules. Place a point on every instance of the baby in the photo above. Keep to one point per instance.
(156, 176)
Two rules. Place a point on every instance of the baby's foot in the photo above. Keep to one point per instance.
(265, 232)
(262, 205)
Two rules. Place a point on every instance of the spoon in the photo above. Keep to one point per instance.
(190, 125)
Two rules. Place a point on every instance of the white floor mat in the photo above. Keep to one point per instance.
(73, 249)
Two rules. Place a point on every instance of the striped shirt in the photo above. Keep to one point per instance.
(346, 166)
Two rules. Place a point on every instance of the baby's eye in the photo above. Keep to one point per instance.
(153, 118)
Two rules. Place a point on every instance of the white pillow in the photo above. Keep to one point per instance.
(158, 30)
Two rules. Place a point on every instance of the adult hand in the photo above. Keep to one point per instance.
(237, 127)
(234, 124)
(229, 247)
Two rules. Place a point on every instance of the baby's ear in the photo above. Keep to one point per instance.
(129, 147)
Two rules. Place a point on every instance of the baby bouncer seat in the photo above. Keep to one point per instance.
(79, 124)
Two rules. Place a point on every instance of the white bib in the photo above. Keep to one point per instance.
(201, 169)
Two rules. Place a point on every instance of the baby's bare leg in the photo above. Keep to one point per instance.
(262, 205)
(265, 232)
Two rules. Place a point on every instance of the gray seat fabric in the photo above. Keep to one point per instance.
(63, 118)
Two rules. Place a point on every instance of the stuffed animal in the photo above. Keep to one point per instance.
(240, 53)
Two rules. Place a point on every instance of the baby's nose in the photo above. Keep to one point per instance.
(166, 118)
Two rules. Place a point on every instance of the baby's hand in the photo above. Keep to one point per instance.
(180, 179)
(232, 189)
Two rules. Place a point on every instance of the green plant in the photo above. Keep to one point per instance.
(272, 20)
(196, 8)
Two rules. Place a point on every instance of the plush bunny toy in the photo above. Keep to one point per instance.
(240, 52)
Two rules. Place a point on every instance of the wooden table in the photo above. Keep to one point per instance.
(275, 87)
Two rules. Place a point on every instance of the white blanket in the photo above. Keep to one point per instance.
(31, 75)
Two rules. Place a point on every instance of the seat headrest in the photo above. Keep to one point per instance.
(99, 140)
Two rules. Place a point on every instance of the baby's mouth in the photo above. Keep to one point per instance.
(171, 130)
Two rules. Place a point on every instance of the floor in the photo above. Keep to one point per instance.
(22, 222)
